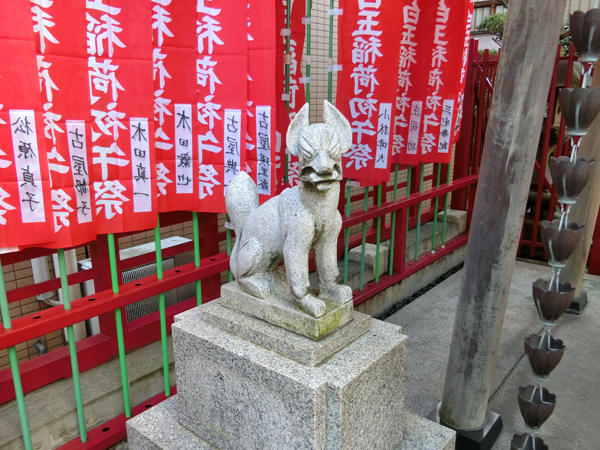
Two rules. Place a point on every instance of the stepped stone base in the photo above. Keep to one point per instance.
(158, 429)
(244, 384)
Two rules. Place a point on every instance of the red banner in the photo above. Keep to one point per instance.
(221, 30)
(63, 76)
(295, 95)
(176, 74)
(369, 45)
(25, 202)
(260, 137)
(123, 166)
(430, 80)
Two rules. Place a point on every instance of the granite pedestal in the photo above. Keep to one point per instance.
(245, 384)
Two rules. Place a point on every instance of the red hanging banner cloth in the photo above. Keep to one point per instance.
(260, 137)
(431, 80)
(60, 36)
(221, 31)
(369, 45)
(25, 201)
(175, 77)
(123, 167)
(296, 94)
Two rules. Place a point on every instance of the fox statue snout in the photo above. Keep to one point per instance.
(299, 220)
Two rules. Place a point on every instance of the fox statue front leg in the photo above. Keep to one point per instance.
(327, 265)
(295, 252)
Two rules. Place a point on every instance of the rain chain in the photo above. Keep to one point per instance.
(560, 237)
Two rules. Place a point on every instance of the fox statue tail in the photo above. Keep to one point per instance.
(241, 199)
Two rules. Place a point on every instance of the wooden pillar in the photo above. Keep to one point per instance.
(520, 94)
(585, 211)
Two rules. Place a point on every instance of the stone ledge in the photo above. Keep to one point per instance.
(272, 337)
(158, 429)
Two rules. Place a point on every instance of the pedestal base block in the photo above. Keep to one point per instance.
(482, 439)
(158, 429)
(237, 395)
(281, 309)
(578, 304)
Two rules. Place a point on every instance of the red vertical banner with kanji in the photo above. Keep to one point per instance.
(25, 201)
(221, 32)
(175, 78)
(430, 80)
(369, 45)
(260, 138)
(295, 97)
(60, 36)
(123, 166)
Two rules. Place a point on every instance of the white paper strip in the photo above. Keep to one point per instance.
(414, 127)
(307, 20)
(336, 12)
(334, 68)
(352, 183)
(263, 149)
(304, 80)
(79, 168)
(231, 145)
(446, 126)
(140, 165)
(285, 97)
(27, 166)
(229, 226)
(383, 136)
(307, 59)
(184, 149)
(286, 32)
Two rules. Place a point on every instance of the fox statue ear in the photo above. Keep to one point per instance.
(295, 129)
(334, 118)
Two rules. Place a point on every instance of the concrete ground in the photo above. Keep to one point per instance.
(428, 323)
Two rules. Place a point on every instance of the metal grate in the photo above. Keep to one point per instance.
(149, 305)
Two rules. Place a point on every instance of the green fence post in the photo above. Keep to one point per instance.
(161, 310)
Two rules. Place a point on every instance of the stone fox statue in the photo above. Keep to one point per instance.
(300, 219)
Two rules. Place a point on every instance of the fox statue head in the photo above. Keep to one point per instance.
(320, 147)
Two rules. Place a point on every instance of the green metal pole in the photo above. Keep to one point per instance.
(161, 309)
(288, 12)
(377, 246)
(197, 256)
(445, 208)
(329, 73)
(393, 236)
(228, 234)
(14, 367)
(419, 213)
(114, 276)
(347, 233)
(66, 295)
(364, 242)
(434, 237)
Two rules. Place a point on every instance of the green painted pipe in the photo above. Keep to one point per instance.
(408, 178)
(162, 310)
(393, 236)
(288, 12)
(196, 231)
(435, 216)
(308, 39)
(347, 233)
(419, 213)
(378, 243)
(14, 367)
(119, 323)
(228, 234)
(445, 209)
(329, 73)
(66, 295)
(364, 242)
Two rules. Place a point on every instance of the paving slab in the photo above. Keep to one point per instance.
(429, 320)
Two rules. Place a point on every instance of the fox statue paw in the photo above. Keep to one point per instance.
(312, 305)
(338, 293)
